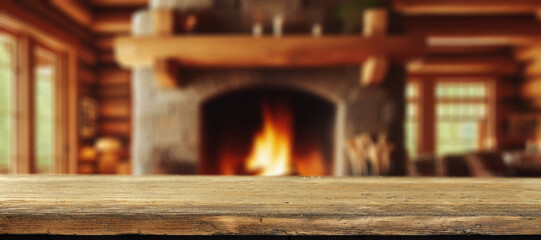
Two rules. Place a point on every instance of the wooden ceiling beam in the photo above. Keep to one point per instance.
(462, 7)
(119, 3)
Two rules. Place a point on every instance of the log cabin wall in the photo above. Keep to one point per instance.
(114, 84)
(112, 87)
(42, 21)
(478, 38)
(90, 27)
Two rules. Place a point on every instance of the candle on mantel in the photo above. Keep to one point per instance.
(317, 30)
(277, 25)
(257, 29)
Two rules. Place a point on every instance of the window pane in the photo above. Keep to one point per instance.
(44, 110)
(411, 137)
(412, 90)
(457, 137)
(411, 126)
(461, 90)
(462, 117)
(7, 59)
(461, 110)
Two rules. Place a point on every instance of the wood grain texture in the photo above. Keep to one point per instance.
(202, 205)
(246, 51)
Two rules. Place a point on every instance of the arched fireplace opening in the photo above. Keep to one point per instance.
(267, 131)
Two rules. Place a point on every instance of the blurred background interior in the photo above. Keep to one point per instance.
(271, 87)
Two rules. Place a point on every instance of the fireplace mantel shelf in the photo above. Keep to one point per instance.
(247, 51)
(200, 205)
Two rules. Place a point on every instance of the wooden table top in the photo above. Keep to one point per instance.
(201, 205)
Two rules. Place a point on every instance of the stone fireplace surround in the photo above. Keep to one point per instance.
(166, 126)
(167, 122)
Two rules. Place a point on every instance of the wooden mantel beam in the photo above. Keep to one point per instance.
(246, 51)
(462, 7)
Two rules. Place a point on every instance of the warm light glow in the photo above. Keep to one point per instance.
(272, 147)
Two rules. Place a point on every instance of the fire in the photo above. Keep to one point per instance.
(272, 146)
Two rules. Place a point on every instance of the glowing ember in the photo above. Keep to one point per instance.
(272, 146)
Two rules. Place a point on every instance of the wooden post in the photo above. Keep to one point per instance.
(375, 23)
(25, 108)
(166, 70)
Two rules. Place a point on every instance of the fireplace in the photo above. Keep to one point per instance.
(216, 117)
(268, 131)
(274, 109)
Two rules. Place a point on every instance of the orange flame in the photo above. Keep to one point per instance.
(272, 146)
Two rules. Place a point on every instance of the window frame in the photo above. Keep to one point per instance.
(427, 109)
(28, 40)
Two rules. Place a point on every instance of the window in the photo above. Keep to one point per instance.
(28, 101)
(412, 118)
(456, 116)
(461, 116)
(7, 66)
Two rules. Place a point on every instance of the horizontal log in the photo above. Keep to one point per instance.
(114, 91)
(246, 51)
(107, 76)
(182, 205)
(76, 10)
(117, 22)
(477, 30)
(105, 43)
(526, 53)
(86, 56)
(86, 76)
(119, 3)
(481, 50)
(107, 58)
(464, 65)
(467, 7)
(115, 128)
(85, 168)
(411, 6)
(115, 109)
(533, 68)
(531, 89)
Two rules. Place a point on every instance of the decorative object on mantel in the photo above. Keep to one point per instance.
(277, 26)
(375, 23)
(317, 30)
(352, 11)
(166, 53)
(257, 29)
(367, 157)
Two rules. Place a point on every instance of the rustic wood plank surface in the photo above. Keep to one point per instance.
(204, 205)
